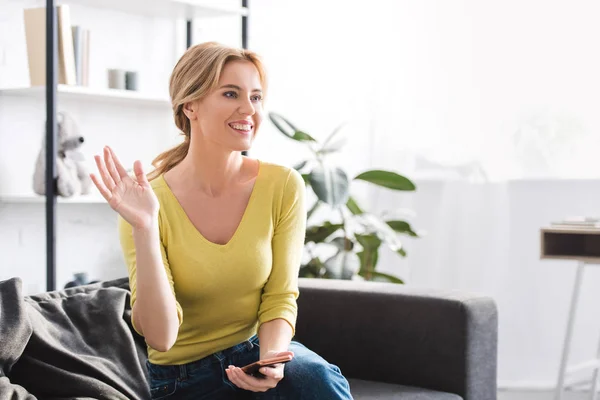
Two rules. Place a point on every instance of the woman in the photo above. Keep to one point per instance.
(213, 244)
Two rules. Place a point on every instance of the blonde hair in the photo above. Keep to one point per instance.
(195, 75)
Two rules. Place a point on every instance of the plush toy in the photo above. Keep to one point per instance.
(72, 175)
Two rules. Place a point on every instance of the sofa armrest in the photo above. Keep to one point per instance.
(435, 339)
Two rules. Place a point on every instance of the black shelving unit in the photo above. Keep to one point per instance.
(51, 128)
(51, 174)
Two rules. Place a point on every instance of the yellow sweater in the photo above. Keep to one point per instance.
(224, 292)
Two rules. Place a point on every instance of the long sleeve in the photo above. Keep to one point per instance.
(281, 289)
(129, 254)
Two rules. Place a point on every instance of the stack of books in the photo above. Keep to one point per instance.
(578, 222)
(73, 47)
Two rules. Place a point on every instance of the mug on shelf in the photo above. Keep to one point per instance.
(116, 79)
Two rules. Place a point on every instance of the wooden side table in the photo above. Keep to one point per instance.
(581, 244)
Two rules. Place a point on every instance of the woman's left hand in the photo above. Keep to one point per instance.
(273, 375)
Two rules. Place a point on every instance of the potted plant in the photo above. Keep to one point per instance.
(356, 234)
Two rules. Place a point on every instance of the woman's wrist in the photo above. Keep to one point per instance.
(147, 229)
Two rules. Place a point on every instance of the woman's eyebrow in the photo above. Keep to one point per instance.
(238, 88)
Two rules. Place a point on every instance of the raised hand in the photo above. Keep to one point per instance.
(132, 198)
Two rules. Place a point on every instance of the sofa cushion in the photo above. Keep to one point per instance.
(368, 390)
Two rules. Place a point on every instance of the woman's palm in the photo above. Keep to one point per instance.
(132, 197)
(133, 201)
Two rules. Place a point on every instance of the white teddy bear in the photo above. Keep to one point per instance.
(72, 175)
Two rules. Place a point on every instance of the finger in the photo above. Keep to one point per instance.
(108, 181)
(103, 190)
(254, 384)
(120, 169)
(235, 379)
(110, 164)
(140, 176)
(275, 372)
(244, 380)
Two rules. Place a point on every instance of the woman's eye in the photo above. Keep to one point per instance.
(231, 95)
(257, 98)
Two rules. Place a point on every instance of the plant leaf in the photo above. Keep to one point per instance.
(331, 146)
(375, 225)
(370, 253)
(342, 243)
(303, 137)
(313, 209)
(353, 207)
(335, 132)
(371, 241)
(313, 269)
(306, 272)
(380, 276)
(283, 125)
(331, 185)
(342, 265)
(368, 259)
(288, 129)
(300, 165)
(318, 234)
(388, 179)
(402, 227)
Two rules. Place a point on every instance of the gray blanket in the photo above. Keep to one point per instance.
(75, 343)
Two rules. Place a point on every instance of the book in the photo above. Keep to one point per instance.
(77, 33)
(35, 37)
(65, 44)
(81, 51)
(578, 222)
(86, 58)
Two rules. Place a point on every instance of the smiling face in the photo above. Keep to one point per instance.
(230, 115)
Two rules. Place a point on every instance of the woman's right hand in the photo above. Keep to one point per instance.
(133, 199)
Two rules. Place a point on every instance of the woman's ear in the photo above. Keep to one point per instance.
(189, 110)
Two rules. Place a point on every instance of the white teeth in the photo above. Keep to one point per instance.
(241, 127)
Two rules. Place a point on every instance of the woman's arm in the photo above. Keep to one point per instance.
(274, 337)
(278, 309)
(155, 312)
(132, 197)
(155, 308)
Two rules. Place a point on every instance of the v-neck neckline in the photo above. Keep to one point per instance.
(236, 233)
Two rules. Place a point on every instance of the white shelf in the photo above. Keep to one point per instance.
(86, 93)
(34, 198)
(187, 9)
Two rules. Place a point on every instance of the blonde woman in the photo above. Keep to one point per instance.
(213, 241)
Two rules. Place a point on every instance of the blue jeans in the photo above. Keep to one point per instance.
(308, 376)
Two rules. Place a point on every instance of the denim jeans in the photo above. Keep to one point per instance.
(308, 376)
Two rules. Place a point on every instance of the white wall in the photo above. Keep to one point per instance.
(411, 79)
(452, 83)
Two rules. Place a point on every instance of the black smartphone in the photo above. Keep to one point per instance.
(252, 369)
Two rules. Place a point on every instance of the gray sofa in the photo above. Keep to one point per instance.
(391, 341)
(399, 342)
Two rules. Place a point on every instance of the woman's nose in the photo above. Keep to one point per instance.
(247, 107)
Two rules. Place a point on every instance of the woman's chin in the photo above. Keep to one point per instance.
(242, 146)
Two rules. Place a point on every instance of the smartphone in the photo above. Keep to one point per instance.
(252, 369)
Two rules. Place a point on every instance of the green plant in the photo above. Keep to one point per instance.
(357, 235)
